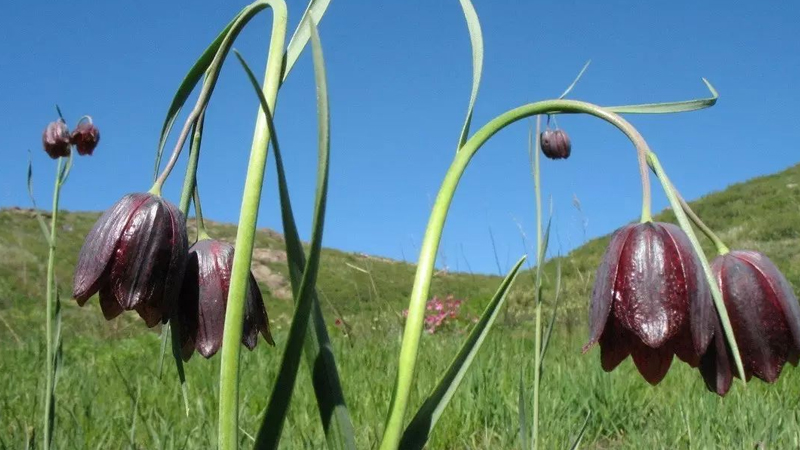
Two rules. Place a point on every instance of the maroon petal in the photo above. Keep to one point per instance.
(602, 294)
(653, 363)
(781, 290)
(109, 304)
(651, 297)
(761, 331)
(615, 345)
(98, 249)
(715, 365)
(179, 247)
(215, 260)
(701, 306)
(142, 258)
(255, 317)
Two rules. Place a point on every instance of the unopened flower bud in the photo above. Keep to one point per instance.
(55, 139)
(85, 137)
(555, 144)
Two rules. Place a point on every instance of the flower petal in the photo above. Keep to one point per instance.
(650, 292)
(653, 363)
(701, 307)
(615, 345)
(602, 293)
(91, 271)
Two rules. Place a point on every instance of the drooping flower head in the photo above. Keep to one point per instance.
(650, 301)
(204, 298)
(56, 140)
(555, 144)
(135, 257)
(85, 137)
(765, 317)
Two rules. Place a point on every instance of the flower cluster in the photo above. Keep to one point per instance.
(58, 141)
(137, 257)
(651, 301)
(439, 312)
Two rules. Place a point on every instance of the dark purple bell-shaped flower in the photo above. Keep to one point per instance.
(204, 298)
(85, 137)
(135, 257)
(764, 315)
(555, 144)
(56, 139)
(650, 301)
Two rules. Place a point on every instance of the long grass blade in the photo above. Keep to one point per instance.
(416, 434)
(669, 107)
(577, 443)
(476, 41)
(36, 212)
(218, 50)
(315, 10)
(523, 413)
(552, 322)
(338, 436)
(575, 81)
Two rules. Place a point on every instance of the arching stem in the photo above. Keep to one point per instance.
(433, 234)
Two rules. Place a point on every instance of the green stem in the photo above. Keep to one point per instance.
(720, 246)
(198, 212)
(190, 178)
(49, 402)
(672, 195)
(245, 234)
(537, 181)
(433, 234)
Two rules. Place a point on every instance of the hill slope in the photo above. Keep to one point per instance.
(761, 214)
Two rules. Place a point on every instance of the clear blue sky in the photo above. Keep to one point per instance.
(399, 78)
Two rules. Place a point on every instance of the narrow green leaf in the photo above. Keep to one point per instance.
(552, 322)
(39, 218)
(476, 40)
(669, 107)
(523, 414)
(416, 434)
(338, 429)
(65, 169)
(574, 82)
(164, 337)
(540, 260)
(577, 443)
(315, 10)
(215, 55)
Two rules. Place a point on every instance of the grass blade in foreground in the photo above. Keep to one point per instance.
(303, 276)
(669, 107)
(575, 81)
(219, 49)
(416, 434)
(575, 445)
(476, 40)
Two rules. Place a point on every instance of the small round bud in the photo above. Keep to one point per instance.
(85, 137)
(55, 139)
(555, 144)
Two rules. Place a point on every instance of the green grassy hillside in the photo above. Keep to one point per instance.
(109, 394)
(761, 214)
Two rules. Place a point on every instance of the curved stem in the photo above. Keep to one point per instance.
(652, 160)
(245, 234)
(433, 234)
(721, 247)
(49, 404)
